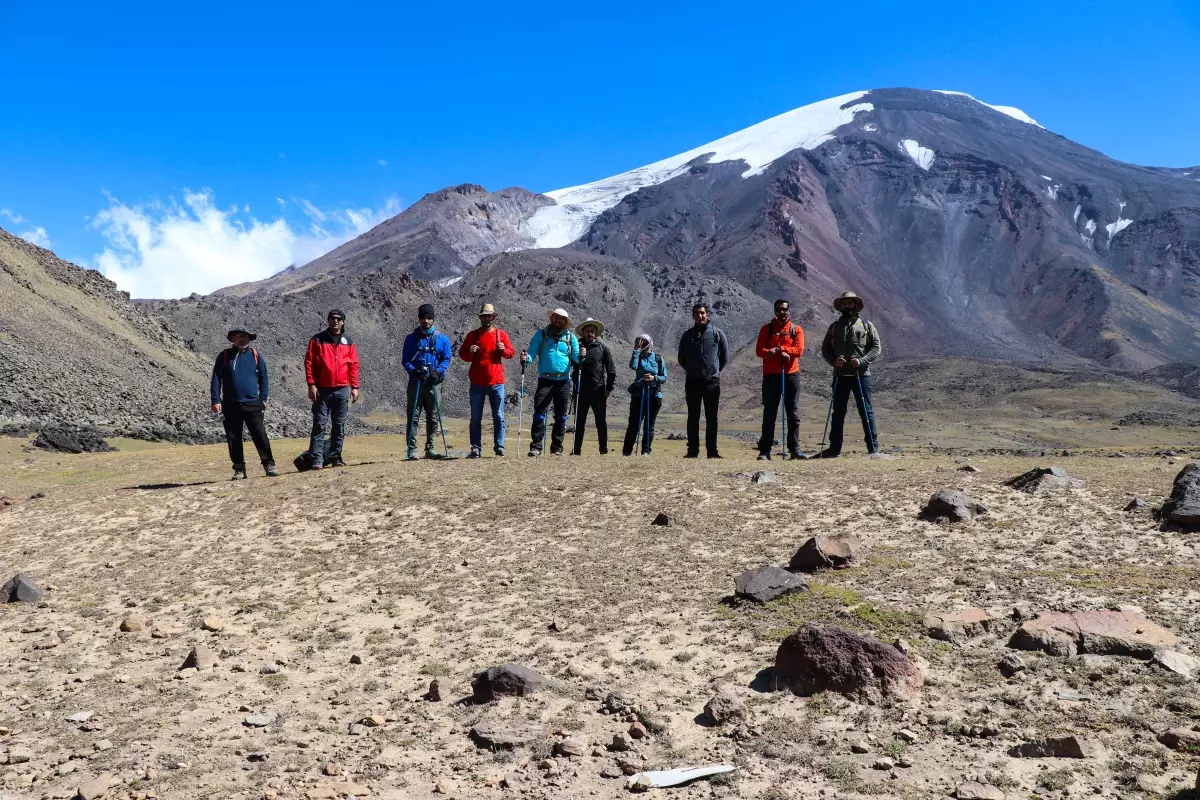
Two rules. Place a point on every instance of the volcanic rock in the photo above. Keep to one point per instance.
(1058, 747)
(960, 625)
(822, 552)
(1044, 479)
(1183, 506)
(1122, 633)
(20, 588)
(505, 680)
(818, 658)
(765, 583)
(952, 504)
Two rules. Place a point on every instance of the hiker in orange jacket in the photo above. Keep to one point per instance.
(780, 346)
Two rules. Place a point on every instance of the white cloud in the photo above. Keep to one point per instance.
(36, 236)
(383, 162)
(171, 250)
(12, 216)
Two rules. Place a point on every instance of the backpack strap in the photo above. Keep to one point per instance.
(225, 359)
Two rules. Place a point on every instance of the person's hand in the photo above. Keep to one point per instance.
(524, 356)
(841, 361)
(582, 351)
(353, 396)
(474, 348)
(777, 351)
(216, 408)
(312, 393)
(854, 363)
(648, 378)
(786, 357)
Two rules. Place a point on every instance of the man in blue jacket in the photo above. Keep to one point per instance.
(239, 390)
(556, 351)
(426, 358)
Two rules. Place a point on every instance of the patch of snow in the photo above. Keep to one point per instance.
(1075, 218)
(1047, 177)
(1008, 111)
(1052, 191)
(1122, 204)
(1086, 239)
(921, 156)
(1091, 226)
(759, 145)
(445, 282)
(870, 127)
(1116, 227)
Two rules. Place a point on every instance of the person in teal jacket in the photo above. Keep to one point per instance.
(556, 351)
(646, 399)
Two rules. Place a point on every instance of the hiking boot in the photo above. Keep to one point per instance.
(337, 462)
(499, 451)
(715, 455)
(763, 457)
(239, 472)
(270, 470)
(626, 452)
(473, 454)
(690, 454)
(826, 454)
(576, 453)
(412, 456)
(796, 455)
(534, 453)
(556, 451)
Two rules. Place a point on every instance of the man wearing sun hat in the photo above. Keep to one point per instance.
(851, 344)
(596, 375)
(483, 349)
(239, 390)
(555, 350)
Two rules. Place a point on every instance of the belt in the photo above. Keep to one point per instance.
(555, 376)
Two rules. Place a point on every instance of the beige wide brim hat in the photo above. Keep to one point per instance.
(487, 308)
(846, 297)
(562, 312)
(590, 323)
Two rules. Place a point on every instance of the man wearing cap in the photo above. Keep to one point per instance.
(555, 349)
(239, 390)
(426, 357)
(850, 345)
(331, 369)
(484, 348)
(596, 375)
(780, 346)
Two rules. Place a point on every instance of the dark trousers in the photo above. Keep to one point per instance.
(250, 416)
(700, 391)
(558, 393)
(595, 400)
(791, 403)
(427, 401)
(643, 411)
(860, 387)
(332, 408)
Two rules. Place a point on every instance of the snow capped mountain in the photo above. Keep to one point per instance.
(1008, 111)
(759, 145)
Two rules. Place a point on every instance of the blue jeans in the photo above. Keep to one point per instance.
(495, 395)
(335, 404)
(845, 385)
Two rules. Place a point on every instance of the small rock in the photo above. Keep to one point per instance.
(825, 552)
(968, 468)
(373, 721)
(1182, 739)
(135, 623)
(201, 658)
(614, 703)
(258, 757)
(66, 768)
(102, 745)
(557, 625)
(259, 720)
(610, 771)
(356, 659)
(725, 707)
(19, 754)
(571, 748)
(978, 791)
(97, 787)
(505, 680)
(1136, 504)
(620, 743)
(434, 695)
(663, 520)
(1058, 747)
(1153, 784)
(768, 582)
(960, 625)
(357, 729)
(860, 747)
(81, 717)
(333, 769)
(1044, 479)
(1010, 665)
(883, 763)
(498, 737)
(1176, 662)
(638, 731)
(443, 786)
(954, 505)
(906, 735)
(512, 780)
(269, 669)
(20, 588)
(212, 624)
(763, 477)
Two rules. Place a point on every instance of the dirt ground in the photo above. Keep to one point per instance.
(338, 596)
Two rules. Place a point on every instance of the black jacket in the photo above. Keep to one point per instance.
(599, 373)
(703, 352)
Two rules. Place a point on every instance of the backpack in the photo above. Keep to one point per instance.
(304, 461)
(557, 339)
(225, 359)
(636, 386)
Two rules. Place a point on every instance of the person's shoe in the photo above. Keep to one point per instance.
(691, 455)
(534, 453)
(473, 454)
(604, 452)
(796, 455)
(412, 456)
(826, 454)
(763, 457)
(576, 453)
(270, 470)
(431, 454)
(499, 452)
(556, 451)
(239, 472)
(626, 452)
(714, 455)
(337, 462)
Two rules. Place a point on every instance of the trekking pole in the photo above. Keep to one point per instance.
(829, 413)
(866, 418)
(413, 415)
(437, 404)
(648, 402)
(641, 414)
(521, 406)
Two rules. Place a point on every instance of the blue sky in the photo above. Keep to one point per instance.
(180, 147)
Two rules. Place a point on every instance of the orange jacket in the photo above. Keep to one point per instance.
(789, 339)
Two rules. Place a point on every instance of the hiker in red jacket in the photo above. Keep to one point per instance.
(484, 348)
(331, 369)
(780, 345)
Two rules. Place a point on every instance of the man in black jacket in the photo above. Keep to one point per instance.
(596, 377)
(703, 353)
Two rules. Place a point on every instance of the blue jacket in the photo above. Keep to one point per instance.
(554, 355)
(429, 350)
(243, 376)
(651, 363)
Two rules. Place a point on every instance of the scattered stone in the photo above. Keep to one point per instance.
(357, 729)
(1011, 664)
(102, 745)
(824, 552)
(763, 477)
(97, 787)
(978, 791)
(960, 625)
(1122, 633)
(333, 769)
(19, 754)
(497, 737)
(49, 642)
(614, 703)
(1183, 506)
(434, 695)
(610, 771)
(968, 468)
(66, 768)
(1136, 504)
(905, 735)
(638, 731)
(62, 439)
(1185, 740)
(512, 780)
(620, 743)
(81, 717)
(212, 624)
(571, 747)
(663, 520)
(373, 721)
(952, 504)
(1174, 661)
(258, 757)
(557, 626)
(654, 722)
(819, 658)
(200, 658)
(766, 583)
(725, 707)
(1044, 479)
(356, 659)
(135, 623)
(506, 680)
(1058, 747)
(346, 789)
(269, 669)
(884, 763)
(860, 747)
(259, 720)
(20, 588)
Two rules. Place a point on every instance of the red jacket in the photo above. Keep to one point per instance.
(790, 339)
(486, 367)
(331, 363)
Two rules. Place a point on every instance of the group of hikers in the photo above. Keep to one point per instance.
(574, 366)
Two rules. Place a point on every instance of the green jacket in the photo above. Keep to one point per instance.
(852, 337)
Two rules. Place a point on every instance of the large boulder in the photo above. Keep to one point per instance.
(819, 658)
(1044, 479)
(825, 552)
(506, 680)
(68, 440)
(499, 737)
(762, 584)
(952, 504)
(20, 588)
(1185, 740)
(1183, 506)
(725, 707)
(1111, 633)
